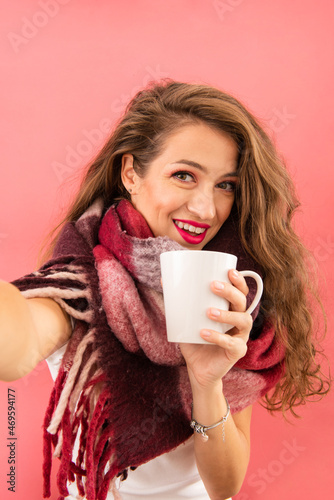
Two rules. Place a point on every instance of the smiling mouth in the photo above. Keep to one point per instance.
(192, 232)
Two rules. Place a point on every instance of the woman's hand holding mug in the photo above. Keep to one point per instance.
(205, 297)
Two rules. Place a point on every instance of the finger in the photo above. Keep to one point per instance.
(235, 346)
(229, 292)
(238, 281)
(242, 321)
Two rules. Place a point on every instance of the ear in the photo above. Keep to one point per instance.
(130, 178)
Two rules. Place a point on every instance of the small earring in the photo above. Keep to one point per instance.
(130, 190)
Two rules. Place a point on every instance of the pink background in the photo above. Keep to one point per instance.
(68, 67)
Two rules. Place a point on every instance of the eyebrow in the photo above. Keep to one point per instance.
(202, 168)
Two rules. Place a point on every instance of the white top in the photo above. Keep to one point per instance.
(171, 476)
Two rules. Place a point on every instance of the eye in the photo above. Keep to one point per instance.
(229, 186)
(183, 176)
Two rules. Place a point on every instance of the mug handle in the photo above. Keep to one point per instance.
(259, 282)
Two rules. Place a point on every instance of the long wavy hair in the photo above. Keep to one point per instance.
(265, 201)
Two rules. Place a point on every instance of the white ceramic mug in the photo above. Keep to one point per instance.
(186, 279)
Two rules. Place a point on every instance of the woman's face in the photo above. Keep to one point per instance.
(188, 191)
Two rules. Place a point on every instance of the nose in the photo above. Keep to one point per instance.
(202, 205)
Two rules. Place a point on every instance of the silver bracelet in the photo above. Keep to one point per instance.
(201, 429)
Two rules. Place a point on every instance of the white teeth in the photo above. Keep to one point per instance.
(188, 227)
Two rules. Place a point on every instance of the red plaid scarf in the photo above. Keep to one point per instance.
(122, 389)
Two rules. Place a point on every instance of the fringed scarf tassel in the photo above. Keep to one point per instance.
(92, 457)
(69, 412)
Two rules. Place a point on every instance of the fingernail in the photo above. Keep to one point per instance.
(205, 333)
(214, 312)
(218, 285)
(235, 273)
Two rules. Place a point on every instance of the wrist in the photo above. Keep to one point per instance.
(208, 403)
(202, 429)
(205, 386)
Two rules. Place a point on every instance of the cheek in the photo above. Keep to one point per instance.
(154, 192)
(158, 203)
(165, 200)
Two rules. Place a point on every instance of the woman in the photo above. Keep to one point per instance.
(186, 167)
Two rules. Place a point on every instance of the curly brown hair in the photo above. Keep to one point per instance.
(265, 201)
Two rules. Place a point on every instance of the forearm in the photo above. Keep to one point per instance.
(17, 334)
(221, 464)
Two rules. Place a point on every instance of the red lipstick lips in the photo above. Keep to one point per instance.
(194, 238)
